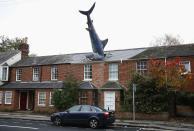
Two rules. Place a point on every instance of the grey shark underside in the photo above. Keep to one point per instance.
(97, 44)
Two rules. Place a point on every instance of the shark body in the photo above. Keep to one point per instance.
(97, 44)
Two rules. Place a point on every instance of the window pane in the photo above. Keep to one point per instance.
(5, 73)
(50, 100)
(42, 98)
(85, 108)
(113, 71)
(74, 109)
(54, 73)
(83, 97)
(142, 67)
(1, 97)
(35, 74)
(87, 72)
(8, 97)
(18, 74)
(186, 65)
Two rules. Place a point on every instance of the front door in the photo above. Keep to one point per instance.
(23, 100)
(109, 100)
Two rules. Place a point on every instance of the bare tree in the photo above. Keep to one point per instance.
(167, 40)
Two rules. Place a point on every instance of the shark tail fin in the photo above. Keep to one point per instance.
(104, 42)
(89, 11)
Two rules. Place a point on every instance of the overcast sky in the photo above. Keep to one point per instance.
(56, 26)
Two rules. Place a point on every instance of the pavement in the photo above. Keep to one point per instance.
(162, 125)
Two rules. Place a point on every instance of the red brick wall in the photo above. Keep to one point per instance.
(13, 105)
(98, 74)
(47, 107)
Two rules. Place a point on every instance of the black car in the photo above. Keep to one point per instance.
(84, 114)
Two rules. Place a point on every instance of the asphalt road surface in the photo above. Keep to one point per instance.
(28, 125)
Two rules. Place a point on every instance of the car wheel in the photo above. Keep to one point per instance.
(57, 121)
(93, 123)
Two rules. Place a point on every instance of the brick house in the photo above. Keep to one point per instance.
(6, 60)
(33, 79)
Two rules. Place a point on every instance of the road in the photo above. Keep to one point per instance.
(28, 125)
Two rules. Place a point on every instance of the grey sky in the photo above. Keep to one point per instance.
(56, 26)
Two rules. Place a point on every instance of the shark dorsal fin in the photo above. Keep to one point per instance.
(104, 42)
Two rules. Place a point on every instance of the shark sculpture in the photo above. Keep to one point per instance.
(97, 44)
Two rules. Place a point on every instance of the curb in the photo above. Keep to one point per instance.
(116, 124)
(164, 127)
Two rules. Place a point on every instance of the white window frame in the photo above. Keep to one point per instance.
(87, 72)
(6, 73)
(189, 64)
(1, 97)
(50, 98)
(141, 67)
(54, 73)
(36, 73)
(8, 97)
(18, 74)
(44, 99)
(113, 70)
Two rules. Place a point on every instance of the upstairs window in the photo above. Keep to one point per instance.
(88, 72)
(187, 66)
(18, 74)
(141, 67)
(8, 97)
(113, 71)
(5, 70)
(36, 73)
(54, 73)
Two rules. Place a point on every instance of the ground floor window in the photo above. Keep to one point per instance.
(41, 98)
(51, 99)
(83, 97)
(1, 97)
(8, 97)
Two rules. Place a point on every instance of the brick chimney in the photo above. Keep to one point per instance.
(24, 47)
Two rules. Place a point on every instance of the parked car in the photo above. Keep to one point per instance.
(92, 116)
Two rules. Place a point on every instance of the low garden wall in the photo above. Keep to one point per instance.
(142, 116)
(185, 111)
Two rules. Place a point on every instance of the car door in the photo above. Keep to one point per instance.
(85, 113)
(72, 115)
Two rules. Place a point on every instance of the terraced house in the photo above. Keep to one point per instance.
(32, 79)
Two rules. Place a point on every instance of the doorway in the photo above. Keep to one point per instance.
(23, 100)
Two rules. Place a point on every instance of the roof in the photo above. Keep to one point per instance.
(166, 51)
(33, 85)
(4, 56)
(113, 85)
(87, 85)
(77, 58)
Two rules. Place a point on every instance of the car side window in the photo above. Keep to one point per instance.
(74, 108)
(93, 109)
(86, 108)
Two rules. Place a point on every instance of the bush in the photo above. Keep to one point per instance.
(185, 98)
(148, 98)
(68, 95)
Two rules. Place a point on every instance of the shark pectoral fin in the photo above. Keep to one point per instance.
(104, 42)
(88, 29)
